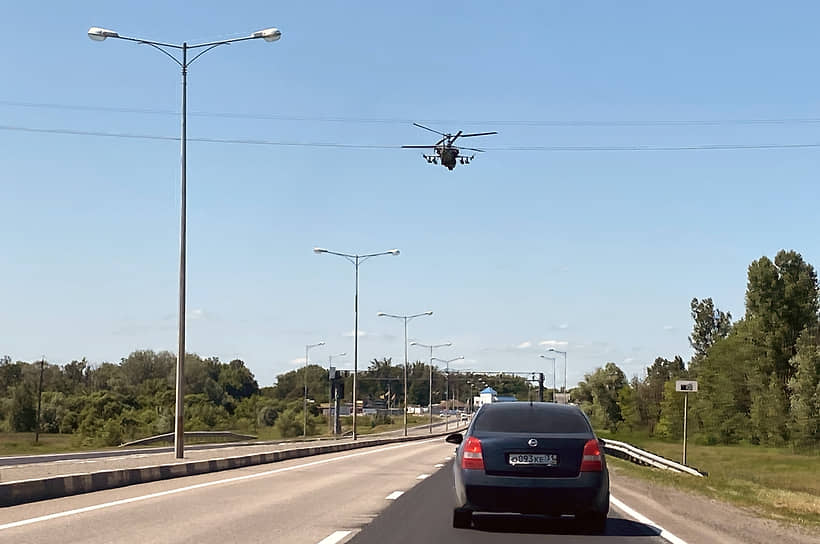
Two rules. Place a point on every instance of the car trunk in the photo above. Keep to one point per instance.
(497, 447)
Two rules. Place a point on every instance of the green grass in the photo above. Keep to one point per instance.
(23, 444)
(776, 482)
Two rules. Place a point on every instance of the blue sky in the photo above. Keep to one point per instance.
(598, 252)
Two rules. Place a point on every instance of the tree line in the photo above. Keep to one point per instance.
(758, 376)
(110, 403)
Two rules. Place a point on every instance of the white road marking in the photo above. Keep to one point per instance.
(394, 495)
(422, 476)
(438, 465)
(76, 511)
(646, 521)
(335, 537)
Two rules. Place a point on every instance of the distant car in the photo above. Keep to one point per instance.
(530, 458)
(464, 417)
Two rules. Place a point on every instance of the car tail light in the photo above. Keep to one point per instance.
(472, 457)
(592, 460)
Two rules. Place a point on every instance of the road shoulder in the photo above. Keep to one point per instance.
(695, 518)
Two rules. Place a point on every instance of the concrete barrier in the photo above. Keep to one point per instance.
(23, 491)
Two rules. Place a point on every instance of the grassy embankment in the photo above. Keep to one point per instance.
(776, 482)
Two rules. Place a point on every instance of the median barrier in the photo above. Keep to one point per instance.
(24, 491)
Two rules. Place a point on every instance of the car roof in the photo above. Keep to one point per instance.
(522, 406)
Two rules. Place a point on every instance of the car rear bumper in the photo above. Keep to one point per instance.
(588, 492)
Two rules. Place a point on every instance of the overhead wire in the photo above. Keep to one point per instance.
(396, 120)
(341, 145)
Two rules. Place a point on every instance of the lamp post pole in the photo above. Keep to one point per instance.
(564, 353)
(356, 259)
(307, 349)
(553, 374)
(405, 318)
(447, 362)
(430, 400)
(100, 34)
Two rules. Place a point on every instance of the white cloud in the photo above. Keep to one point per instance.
(563, 326)
(553, 343)
(349, 334)
(197, 313)
(668, 328)
(628, 360)
(524, 345)
(299, 361)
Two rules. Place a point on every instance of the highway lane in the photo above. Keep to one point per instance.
(298, 501)
(424, 514)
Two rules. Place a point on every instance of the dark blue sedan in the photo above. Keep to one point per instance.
(530, 458)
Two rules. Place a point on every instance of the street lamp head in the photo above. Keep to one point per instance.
(99, 34)
(381, 314)
(414, 343)
(394, 252)
(269, 34)
(428, 313)
(319, 250)
(320, 344)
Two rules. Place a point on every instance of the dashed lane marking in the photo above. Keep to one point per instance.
(646, 521)
(335, 537)
(438, 465)
(422, 476)
(394, 495)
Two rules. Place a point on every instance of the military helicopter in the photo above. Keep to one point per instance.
(446, 152)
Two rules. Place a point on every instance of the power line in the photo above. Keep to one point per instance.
(251, 141)
(396, 120)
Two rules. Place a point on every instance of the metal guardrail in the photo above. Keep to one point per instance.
(169, 437)
(629, 452)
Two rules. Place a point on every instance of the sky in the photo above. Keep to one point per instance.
(591, 251)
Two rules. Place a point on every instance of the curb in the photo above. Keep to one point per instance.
(25, 491)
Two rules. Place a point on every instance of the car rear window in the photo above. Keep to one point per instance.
(524, 418)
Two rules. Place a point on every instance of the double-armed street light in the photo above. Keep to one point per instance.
(447, 401)
(356, 259)
(431, 347)
(307, 350)
(405, 318)
(100, 34)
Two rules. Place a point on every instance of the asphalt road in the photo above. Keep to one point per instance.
(304, 500)
(424, 514)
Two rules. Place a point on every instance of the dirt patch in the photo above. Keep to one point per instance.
(697, 519)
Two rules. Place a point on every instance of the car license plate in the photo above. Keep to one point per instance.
(546, 459)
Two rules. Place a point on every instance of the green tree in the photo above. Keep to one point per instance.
(670, 424)
(23, 416)
(804, 422)
(710, 325)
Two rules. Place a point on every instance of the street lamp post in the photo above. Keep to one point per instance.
(564, 353)
(307, 349)
(331, 403)
(447, 401)
(100, 34)
(430, 400)
(405, 318)
(356, 260)
(553, 374)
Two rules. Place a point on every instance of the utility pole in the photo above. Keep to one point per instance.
(39, 400)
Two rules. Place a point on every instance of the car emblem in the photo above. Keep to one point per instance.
(532, 442)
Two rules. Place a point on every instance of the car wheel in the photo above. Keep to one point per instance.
(462, 518)
(593, 521)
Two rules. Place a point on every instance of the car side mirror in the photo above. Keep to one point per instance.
(454, 438)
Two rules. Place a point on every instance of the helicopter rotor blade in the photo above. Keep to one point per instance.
(418, 146)
(430, 129)
(453, 139)
(472, 149)
(478, 134)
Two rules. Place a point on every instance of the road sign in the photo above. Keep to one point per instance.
(686, 386)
